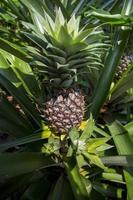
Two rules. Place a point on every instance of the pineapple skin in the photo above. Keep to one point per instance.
(126, 60)
(65, 110)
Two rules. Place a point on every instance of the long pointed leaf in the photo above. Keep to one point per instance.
(13, 49)
(11, 121)
(21, 163)
(22, 99)
(75, 179)
(25, 140)
(124, 146)
(111, 64)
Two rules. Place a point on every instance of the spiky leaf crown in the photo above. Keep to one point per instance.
(65, 49)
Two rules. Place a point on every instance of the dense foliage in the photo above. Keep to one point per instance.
(66, 100)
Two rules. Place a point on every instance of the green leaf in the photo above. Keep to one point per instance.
(129, 128)
(94, 159)
(25, 74)
(9, 186)
(121, 138)
(38, 22)
(104, 147)
(11, 121)
(88, 130)
(57, 191)
(74, 135)
(14, 8)
(64, 38)
(22, 99)
(14, 50)
(108, 72)
(122, 87)
(124, 146)
(64, 11)
(44, 134)
(21, 163)
(116, 19)
(114, 177)
(80, 160)
(6, 70)
(37, 191)
(78, 7)
(76, 181)
(108, 190)
(61, 190)
(18, 72)
(111, 64)
(37, 40)
(73, 25)
(128, 174)
(94, 143)
(37, 6)
(126, 161)
(89, 34)
(101, 132)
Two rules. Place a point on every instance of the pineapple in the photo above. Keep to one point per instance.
(66, 53)
(126, 60)
(65, 110)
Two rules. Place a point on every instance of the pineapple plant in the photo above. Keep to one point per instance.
(52, 92)
(66, 53)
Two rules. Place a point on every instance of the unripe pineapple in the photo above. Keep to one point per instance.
(127, 58)
(67, 53)
(65, 110)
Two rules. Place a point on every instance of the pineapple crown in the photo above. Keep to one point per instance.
(68, 33)
(62, 31)
(66, 50)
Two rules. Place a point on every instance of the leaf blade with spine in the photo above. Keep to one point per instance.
(124, 146)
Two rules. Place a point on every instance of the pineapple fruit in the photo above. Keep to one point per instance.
(126, 60)
(65, 110)
(66, 52)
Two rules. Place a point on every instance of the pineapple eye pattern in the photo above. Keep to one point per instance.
(65, 111)
(126, 60)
